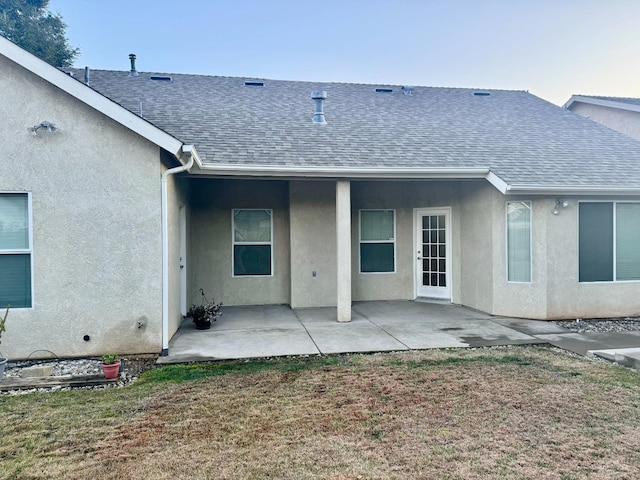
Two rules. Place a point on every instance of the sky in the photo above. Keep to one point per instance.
(552, 48)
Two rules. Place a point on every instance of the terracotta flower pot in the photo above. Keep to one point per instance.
(111, 370)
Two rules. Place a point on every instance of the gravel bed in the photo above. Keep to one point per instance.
(596, 325)
(129, 371)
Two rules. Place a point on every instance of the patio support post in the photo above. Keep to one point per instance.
(343, 250)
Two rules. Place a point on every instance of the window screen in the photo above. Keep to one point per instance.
(15, 251)
(252, 242)
(377, 241)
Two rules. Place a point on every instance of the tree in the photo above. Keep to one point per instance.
(29, 24)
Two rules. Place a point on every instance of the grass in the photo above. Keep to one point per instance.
(517, 412)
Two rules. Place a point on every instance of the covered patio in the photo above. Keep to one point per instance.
(376, 326)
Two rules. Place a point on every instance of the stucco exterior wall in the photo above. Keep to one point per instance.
(528, 300)
(177, 197)
(95, 190)
(210, 241)
(569, 298)
(621, 120)
(477, 245)
(313, 243)
(403, 197)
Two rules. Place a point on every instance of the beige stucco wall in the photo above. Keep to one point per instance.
(313, 243)
(96, 224)
(568, 298)
(403, 197)
(177, 196)
(621, 120)
(210, 241)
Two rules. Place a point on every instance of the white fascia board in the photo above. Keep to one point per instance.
(339, 172)
(90, 97)
(570, 190)
(602, 103)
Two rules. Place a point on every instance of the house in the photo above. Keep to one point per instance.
(149, 186)
(621, 114)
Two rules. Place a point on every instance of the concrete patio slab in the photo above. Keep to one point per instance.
(277, 330)
(530, 327)
(629, 357)
(581, 343)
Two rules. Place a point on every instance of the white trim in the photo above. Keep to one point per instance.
(341, 172)
(600, 102)
(182, 227)
(90, 97)
(506, 240)
(360, 241)
(233, 242)
(570, 190)
(24, 251)
(417, 227)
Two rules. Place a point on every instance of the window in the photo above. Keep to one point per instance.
(252, 242)
(519, 242)
(609, 235)
(377, 241)
(15, 250)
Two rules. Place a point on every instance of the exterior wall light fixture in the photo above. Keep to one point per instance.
(50, 127)
(559, 204)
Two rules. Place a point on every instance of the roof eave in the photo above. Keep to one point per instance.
(600, 102)
(339, 172)
(570, 190)
(90, 97)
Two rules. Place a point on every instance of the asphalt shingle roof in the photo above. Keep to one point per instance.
(523, 139)
(630, 101)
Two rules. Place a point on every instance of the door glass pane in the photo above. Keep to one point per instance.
(376, 225)
(433, 222)
(443, 280)
(15, 281)
(519, 241)
(628, 241)
(14, 221)
(595, 242)
(252, 225)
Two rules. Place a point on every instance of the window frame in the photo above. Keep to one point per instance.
(506, 236)
(234, 243)
(360, 241)
(24, 251)
(614, 225)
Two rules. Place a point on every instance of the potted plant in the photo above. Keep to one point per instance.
(3, 328)
(110, 365)
(202, 315)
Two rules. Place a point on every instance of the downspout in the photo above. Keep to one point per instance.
(187, 149)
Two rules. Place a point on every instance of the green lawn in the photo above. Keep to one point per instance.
(516, 412)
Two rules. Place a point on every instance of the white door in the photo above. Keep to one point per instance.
(182, 219)
(433, 252)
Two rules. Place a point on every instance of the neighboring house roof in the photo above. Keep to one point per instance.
(91, 97)
(516, 140)
(622, 103)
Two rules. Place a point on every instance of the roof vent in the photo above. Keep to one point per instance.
(254, 84)
(161, 79)
(408, 90)
(384, 90)
(319, 97)
(481, 94)
(133, 72)
(86, 75)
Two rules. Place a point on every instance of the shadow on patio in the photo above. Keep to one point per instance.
(278, 330)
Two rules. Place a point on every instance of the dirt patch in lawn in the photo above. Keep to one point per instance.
(517, 412)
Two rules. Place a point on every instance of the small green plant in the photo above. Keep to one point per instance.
(3, 323)
(206, 312)
(109, 358)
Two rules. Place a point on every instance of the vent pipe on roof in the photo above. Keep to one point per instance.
(319, 97)
(86, 75)
(133, 72)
